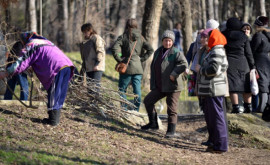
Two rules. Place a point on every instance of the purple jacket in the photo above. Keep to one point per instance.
(45, 58)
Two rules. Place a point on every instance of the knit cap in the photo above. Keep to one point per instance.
(213, 24)
(205, 32)
(168, 34)
(261, 21)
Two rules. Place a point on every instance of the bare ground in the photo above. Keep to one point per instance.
(84, 137)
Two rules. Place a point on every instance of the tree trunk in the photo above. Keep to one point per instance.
(225, 10)
(85, 11)
(32, 15)
(187, 24)
(262, 8)
(204, 18)
(216, 10)
(246, 10)
(210, 9)
(121, 19)
(107, 25)
(134, 8)
(150, 27)
(65, 22)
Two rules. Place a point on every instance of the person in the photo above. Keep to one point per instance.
(121, 51)
(93, 53)
(166, 81)
(247, 29)
(52, 67)
(260, 46)
(241, 61)
(201, 54)
(212, 86)
(20, 79)
(178, 36)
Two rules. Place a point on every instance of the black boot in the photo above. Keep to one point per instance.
(171, 131)
(247, 107)
(153, 123)
(266, 113)
(236, 108)
(54, 118)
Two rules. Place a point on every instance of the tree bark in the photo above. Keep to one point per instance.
(134, 5)
(65, 22)
(216, 10)
(262, 8)
(210, 9)
(204, 18)
(187, 24)
(32, 15)
(246, 11)
(225, 9)
(150, 27)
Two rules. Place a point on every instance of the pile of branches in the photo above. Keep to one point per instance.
(88, 94)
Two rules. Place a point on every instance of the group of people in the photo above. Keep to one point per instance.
(221, 62)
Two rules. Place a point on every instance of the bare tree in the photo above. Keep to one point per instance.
(187, 24)
(225, 10)
(32, 15)
(134, 8)
(150, 26)
(210, 9)
(262, 8)
(246, 6)
(65, 22)
(204, 18)
(216, 9)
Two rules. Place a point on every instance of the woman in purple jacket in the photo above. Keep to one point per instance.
(52, 67)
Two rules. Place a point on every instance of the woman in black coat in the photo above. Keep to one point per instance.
(241, 61)
(260, 45)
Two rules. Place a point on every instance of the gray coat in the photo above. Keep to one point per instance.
(212, 79)
(174, 64)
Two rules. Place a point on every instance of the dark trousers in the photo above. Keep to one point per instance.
(58, 90)
(171, 100)
(96, 75)
(216, 122)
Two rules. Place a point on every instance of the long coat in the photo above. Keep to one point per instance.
(173, 64)
(261, 47)
(240, 59)
(123, 46)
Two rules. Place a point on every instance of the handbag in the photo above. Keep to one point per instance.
(122, 67)
(191, 85)
(253, 82)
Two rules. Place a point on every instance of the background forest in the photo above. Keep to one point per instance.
(60, 20)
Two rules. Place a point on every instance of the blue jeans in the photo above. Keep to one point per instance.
(20, 79)
(124, 81)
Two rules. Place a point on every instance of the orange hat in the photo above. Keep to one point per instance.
(216, 38)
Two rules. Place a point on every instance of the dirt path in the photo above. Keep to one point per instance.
(86, 138)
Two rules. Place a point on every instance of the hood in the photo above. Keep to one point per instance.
(216, 38)
(235, 35)
(267, 34)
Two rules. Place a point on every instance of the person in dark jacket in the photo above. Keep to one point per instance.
(241, 61)
(260, 45)
(166, 81)
(212, 86)
(20, 79)
(121, 51)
